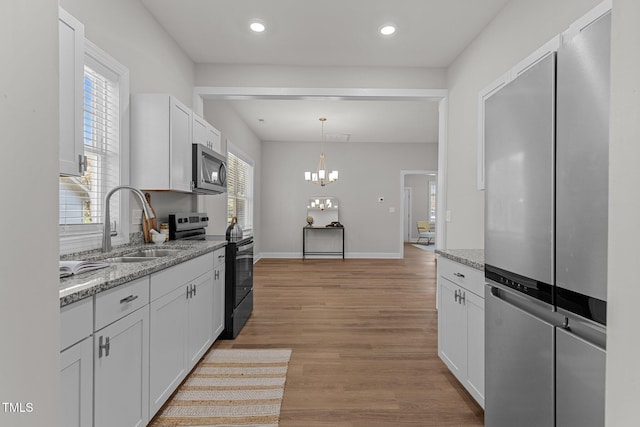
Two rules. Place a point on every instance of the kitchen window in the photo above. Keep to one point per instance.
(105, 135)
(240, 187)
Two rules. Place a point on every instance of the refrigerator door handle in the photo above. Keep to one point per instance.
(522, 302)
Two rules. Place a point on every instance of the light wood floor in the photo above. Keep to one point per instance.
(364, 339)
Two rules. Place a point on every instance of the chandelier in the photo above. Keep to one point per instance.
(322, 175)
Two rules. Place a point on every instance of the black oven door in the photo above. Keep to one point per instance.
(244, 270)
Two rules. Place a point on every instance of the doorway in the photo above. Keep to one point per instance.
(420, 203)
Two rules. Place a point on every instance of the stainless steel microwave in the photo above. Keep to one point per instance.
(209, 171)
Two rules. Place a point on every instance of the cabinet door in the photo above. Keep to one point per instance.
(475, 345)
(214, 138)
(200, 317)
(199, 131)
(121, 372)
(218, 297)
(168, 341)
(452, 328)
(71, 65)
(180, 160)
(76, 385)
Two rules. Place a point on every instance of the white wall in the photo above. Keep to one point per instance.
(129, 33)
(232, 128)
(29, 304)
(367, 171)
(623, 345)
(519, 29)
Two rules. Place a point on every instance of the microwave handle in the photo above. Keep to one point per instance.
(222, 174)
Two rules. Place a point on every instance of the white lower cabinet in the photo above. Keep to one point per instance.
(121, 372)
(168, 365)
(200, 324)
(219, 257)
(126, 350)
(76, 384)
(461, 324)
(452, 327)
(76, 364)
(181, 321)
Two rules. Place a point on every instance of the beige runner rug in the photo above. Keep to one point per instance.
(230, 388)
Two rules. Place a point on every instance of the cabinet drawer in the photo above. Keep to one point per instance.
(167, 280)
(76, 321)
(118, 302)
(462, 275)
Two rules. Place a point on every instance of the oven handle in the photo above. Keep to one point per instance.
(245, 248)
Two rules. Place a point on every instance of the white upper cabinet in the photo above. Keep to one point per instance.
(71, 57)
(160, 143)
(205, 134)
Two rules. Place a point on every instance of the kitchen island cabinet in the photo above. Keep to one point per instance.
(461, 323)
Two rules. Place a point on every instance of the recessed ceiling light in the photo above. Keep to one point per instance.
(387, 30)
(257, 26)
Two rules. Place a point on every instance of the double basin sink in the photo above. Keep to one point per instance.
(143, 255)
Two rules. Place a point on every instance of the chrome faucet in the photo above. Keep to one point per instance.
(106, 237)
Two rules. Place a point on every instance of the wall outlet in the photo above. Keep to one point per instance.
(380, 199)
(136, 216)
(447, 216)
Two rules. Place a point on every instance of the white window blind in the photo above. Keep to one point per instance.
(240, 191)
(82, 198)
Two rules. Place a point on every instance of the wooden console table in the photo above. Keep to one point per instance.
(305, 229)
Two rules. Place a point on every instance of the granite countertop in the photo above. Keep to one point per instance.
(471, 257)
(84, 285)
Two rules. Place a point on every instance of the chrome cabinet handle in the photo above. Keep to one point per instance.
(189, 291)
(459, 275)
(82, 163)
(128, 299)
(103, 346)
(456, 295)
(462, 297)
(194, 290)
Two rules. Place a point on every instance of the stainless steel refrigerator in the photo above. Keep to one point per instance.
(546, 165)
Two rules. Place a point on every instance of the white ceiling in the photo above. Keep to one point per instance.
(431, 33)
